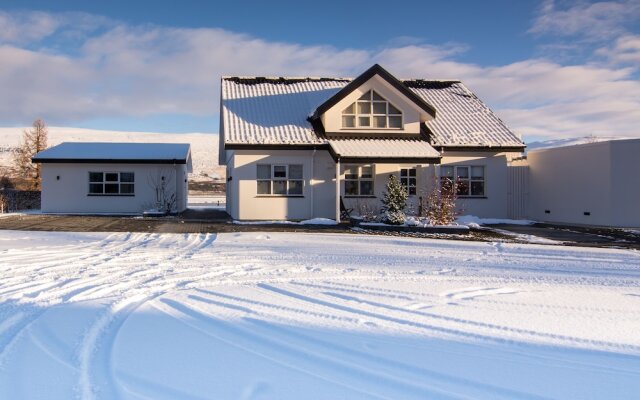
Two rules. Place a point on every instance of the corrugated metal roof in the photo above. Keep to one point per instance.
(383, 148)
(259, 110)
(462, 119)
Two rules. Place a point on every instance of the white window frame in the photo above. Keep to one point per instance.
(469, 180)
(359, 179)
(407, 179)
(356, 114)
(118, 182)
(286, 179)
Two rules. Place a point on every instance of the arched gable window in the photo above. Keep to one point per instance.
(372, 111)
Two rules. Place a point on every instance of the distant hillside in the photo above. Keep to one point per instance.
(570, 141)
(204, 146)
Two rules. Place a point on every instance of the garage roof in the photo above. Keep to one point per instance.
(116, 153)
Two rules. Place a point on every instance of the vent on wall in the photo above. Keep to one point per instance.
(547, 211)
(587, 213)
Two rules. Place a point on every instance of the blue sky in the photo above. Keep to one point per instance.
(550, 69)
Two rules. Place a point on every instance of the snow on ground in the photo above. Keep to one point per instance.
(313, 316)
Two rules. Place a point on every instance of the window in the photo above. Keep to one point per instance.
(408, 180)
(358, 180)
(372, 111)
(469, 179)
(280, 180)
(111, 183)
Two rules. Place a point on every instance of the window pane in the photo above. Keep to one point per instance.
(279, 187)
(351, 188)
(295, 171)
(376, 96)
(477, 188)
(412, 190)
(364, 108)
(351, 172)
(264, 171)
(350, 110)
(264, 187)
(463, 172)
(364, 121)
(96, 188)
(380, 122)
(126, 177)
(126, 188)
(446, 171)
(412, 172)
(279, 171)
(366, 171)
(463, 188)
(366, 188)
(404, 181)
(380, 108)
(111, 177)
(295, 187)
(404, 172)
(477, 172)
(366, 96)
(349, 121)
(95, 176)
(393, 110)
(111, 188)
(395, 122)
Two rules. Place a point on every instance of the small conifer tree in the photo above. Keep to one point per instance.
(394, 202)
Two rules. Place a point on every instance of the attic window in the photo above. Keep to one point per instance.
(371, 111)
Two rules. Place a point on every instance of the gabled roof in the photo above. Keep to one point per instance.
(389, 149)
(364, 77)
(116, 153)
(275, 111)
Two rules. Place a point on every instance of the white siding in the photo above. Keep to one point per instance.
(65, 188)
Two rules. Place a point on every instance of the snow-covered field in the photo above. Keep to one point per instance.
(313, 316)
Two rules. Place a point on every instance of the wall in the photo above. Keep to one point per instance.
(317, 200)
(625, 195)
(495, 202)
(569, 181)
(69, 193)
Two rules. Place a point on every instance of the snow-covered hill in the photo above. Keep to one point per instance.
(204, 146)
(545, 144)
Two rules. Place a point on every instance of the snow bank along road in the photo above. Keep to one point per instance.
(313, 316)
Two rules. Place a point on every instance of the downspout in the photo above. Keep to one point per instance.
(313, 161)
(338, 190)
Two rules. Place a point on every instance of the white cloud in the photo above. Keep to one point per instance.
(592, 21)
(123, 71)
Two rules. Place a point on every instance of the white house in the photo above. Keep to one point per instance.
(294, 146)
(586, 184)
(88, 178)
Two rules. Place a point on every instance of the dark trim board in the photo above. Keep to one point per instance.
(475, 149)
(103, 161)
(368, 74)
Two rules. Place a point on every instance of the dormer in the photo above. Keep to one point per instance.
(375, 104)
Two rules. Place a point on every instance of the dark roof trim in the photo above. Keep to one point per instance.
(376, 69)
(104, 161)
(498, 149)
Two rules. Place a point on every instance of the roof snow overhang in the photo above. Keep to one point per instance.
(376, 69)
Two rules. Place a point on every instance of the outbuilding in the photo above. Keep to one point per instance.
(114, 178)
(586, 184)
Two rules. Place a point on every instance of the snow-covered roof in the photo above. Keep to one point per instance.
(107, 152)
(383, 148)
(259, 110)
